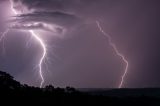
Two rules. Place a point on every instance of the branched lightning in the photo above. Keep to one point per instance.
(41, 43)
(117, 53)
(43, 56)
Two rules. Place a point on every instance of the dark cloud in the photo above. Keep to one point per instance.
(83, 8)
(89, 10)
(48, 4)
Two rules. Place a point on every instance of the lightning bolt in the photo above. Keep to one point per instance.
(117, 53)
(2, 38)
(42, 45)
(43, 55)
(4, 34)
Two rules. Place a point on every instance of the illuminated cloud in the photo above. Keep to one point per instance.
(36, 15)
(61, 19)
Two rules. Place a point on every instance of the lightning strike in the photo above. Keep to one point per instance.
(4, 34)
(2, 38)
(117, 53)
(41, 43)
(43, 56)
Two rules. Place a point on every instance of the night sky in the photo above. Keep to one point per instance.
(78, 53)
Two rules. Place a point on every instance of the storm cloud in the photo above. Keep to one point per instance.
(47, 20)
(86, 59)
(58, 18)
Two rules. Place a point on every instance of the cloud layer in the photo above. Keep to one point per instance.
(44, 14)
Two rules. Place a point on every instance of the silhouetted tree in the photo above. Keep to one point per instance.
(11, 91)
(7, 81)
(49, 88)
(70, 89)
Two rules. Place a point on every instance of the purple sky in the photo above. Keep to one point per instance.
(82, 56)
